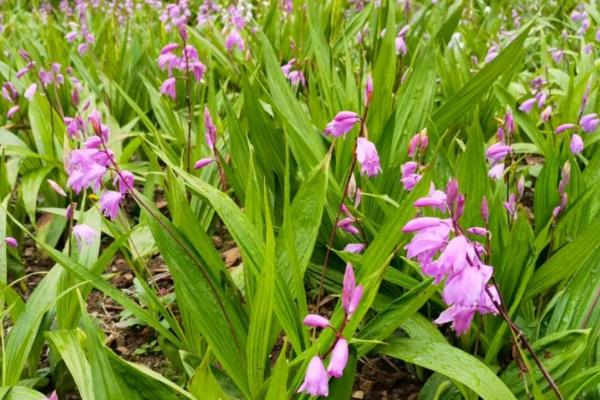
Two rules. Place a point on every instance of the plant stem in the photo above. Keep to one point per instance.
(189, 107)
(520, 336)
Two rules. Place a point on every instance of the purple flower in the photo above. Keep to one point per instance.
(110, 203)
(564, 127)
(368, 95)
(409, 176)
(316, 321)
(589, 122)
(497, 152)
(496, 171)
(168, 87)
(124, 180)
(295, 76)
(11, 241)
(30, 91)
(465, 287)
(347, 224)
(546, 114)
(417, 224)
(12, 111)
(86, 168)
(354, 248)
(460, 317)
(210, 130)
(418, 142)
(351, 294)
(436, 198)
(476, 230)
(511, 206)
(367, 156)
(84, 234)
(343, 122)
(484, 210)
(56, 187)
(234, 39)
(527, 105)
(9, 91)
(203, 162)
(316, 380)
(557, 55)
(576, 144)
(339, 358)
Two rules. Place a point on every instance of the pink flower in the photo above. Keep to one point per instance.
(125, 181)
(367, 156)
(418, 142)
(12, 111)
(589, 122)
(576, 144)
(30, 91)
(527, 105)
(465, 287)
(316, 321)
(496, 171)
(203, 162)
(210, 130)
(84, 234)
(436, 198)
(546, 114)
(564, 127)
(110, 203)
(339, 358)
(11, 241)
(343, 122)
(351, 294)
(497, 152)
(316, 380)
(368, 95)
(460, 317)
(417, 224)
(354, 248)
(234, 39)
(56, 187)
(53, 396)
(347, 224)
(168, 88)
(409, 176)
(86, 168)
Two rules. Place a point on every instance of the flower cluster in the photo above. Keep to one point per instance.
(588, 123)
(80, 30)
(539, 97)
(294, 74)
(447, 254)
(89, 165)
(186, 62)
(175, 15)
(316, 380)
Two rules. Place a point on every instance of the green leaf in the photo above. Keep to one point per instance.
(451, 362)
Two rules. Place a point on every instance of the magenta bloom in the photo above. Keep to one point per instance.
(347, 224)
(409, 176)
(84, 234)
(11, 241)
(576, 144)
(546, 114)
(295, 76)
(234, 39)
(168, 88)
(86, 168)
(564, 127)
(496, 171)
(210, 130)
(527, 105)
(351, 294)
(343, 122)
(339, 358)
(367, 156)
(368, 95)
(417, 224)
(589, 122)
(30, 91)
(109, 203)
(436, 198)
(460, 317)
(497, 152)
(465, 287)
(316, 321)
(354, 248)
(12, 111)
(124, 180)
(203, 162)
(316, 380)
